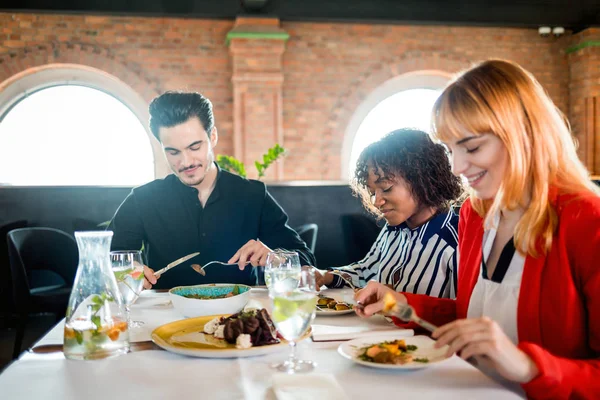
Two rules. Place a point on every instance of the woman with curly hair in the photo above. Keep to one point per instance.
(405, 178)
(528, 303)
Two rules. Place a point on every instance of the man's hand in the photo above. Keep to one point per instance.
(254, 251)
(370, 299)
(149, 278)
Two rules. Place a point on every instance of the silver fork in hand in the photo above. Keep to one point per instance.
(345, 279)
(200, 268)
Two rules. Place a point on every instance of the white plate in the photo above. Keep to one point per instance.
(352, 349)
(337, 295)
(331, 312)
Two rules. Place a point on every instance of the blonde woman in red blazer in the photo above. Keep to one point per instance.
(531, 313)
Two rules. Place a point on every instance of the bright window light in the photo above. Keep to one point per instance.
(406, 109)
(73, 135)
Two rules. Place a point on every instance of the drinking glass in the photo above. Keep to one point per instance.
(294, 295)
(280, 259)
(128, 268)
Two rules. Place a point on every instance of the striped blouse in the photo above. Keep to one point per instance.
(423, 260)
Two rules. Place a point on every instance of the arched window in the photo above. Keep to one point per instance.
(402, 102)
(69, 124)
(73, 135)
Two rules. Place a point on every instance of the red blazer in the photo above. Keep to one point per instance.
(558, 314)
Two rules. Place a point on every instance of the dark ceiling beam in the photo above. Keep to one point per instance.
(574, 14)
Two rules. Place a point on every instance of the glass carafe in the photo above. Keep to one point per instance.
(96, 323)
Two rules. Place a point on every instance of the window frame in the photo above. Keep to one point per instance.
(28, 82)
(425, 79)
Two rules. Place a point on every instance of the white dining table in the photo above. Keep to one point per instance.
(158, 374)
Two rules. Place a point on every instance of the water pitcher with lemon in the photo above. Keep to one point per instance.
(96, 323)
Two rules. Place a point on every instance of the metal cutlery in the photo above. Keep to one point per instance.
(345, 277)
(175, 263)
(200, 268)
(405, 313)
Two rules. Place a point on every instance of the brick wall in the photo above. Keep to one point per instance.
(328, 69)
(584, 95)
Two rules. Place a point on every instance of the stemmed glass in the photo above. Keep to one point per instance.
(294, 295)
(128, 268)
(280, 259)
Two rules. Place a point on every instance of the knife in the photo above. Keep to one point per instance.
(58, 348)
(175, 263)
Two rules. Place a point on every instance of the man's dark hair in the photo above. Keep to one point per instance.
(411, 155)
(174, 108)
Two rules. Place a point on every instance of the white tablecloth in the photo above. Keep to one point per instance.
(163, 375)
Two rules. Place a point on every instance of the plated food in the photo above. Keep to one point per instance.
(393, 351)
(211, 299)
(329, 305)
(244, 329)
(245, 334)
(212, 294)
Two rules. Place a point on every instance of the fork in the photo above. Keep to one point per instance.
(200, 269)
(406, 313)
(345, 279)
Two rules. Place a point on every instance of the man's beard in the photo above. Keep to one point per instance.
(196, 181)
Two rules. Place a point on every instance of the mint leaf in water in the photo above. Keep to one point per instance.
(78, 337)
(96, 321)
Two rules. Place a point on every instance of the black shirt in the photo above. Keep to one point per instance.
(168, 218)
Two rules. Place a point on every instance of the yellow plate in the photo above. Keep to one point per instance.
(186, 337)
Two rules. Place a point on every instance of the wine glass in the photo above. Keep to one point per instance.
(279, 258)
(294, 295)
(129, 272)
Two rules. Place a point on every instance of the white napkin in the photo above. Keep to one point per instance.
(307, 387)
(326, 333)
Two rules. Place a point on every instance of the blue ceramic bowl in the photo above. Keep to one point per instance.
(192, 307)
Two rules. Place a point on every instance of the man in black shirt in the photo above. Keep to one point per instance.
(200, 208)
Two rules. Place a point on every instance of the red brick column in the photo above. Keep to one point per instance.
(584, 90)
(256, 46)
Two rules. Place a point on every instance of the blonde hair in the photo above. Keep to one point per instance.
(502, 98)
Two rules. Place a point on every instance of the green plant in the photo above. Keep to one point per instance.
(232, 164)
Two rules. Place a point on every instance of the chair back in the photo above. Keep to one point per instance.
(6, 297)
(48, 254)
(308, 233)
(360, 232)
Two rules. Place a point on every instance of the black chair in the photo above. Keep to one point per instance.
(7, 308)
(43, 264)
(84, 224)
(360, 232)
(308, 233)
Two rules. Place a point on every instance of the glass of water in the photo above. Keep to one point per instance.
(280, 259)
(294, 295)
(128, 268)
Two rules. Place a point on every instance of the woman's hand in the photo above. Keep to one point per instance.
(323, 279)
(370, 299)
(484, 339)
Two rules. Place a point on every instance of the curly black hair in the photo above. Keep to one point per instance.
(414, 157)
